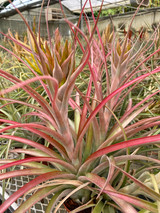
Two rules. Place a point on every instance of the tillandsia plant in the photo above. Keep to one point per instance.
(91, 156)
(61, 52)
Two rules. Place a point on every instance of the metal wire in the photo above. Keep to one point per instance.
(17, 183)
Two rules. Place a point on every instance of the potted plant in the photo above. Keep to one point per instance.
(90, 163)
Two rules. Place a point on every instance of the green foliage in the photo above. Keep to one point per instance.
(112, 11)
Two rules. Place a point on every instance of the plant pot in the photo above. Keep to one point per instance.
(13, 207)
(70, 205)
(8, 210)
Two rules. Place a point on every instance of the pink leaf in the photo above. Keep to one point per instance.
(122, 145)
(33, 159)
(31, 185)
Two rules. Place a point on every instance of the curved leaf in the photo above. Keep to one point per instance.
(32, 159)
(122, 145)
(31, 185)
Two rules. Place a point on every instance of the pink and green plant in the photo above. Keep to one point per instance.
(92, 153)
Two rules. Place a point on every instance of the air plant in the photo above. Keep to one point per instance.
(60, 57)
(92, 155)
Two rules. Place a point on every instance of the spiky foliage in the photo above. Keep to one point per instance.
(60, 58)
(92, 156)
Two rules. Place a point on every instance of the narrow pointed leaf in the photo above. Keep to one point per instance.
(30, 185)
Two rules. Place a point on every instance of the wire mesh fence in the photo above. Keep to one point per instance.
(16, 183)
(13, 184)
